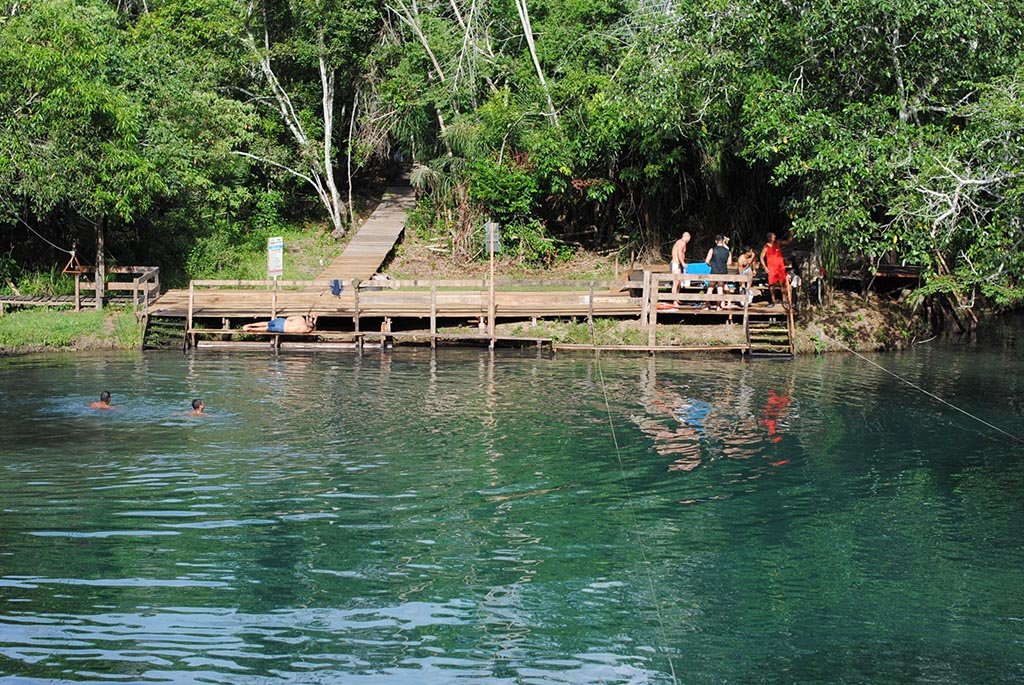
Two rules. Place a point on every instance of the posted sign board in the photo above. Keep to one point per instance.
(492, 236)
(275, 257)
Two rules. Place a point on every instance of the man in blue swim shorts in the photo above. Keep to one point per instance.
(291, 324)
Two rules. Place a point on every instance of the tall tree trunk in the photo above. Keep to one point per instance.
(101, 262)
(319, 174)
(335, 205)
(348, 159)
(524, 19)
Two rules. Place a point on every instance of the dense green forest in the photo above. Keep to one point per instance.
(182, 132)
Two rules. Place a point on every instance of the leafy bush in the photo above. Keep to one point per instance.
(49, 282)
(505, 192)
(219, 256)
(529, 241)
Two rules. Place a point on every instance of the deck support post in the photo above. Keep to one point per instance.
(590, 310)
(189, 336)
(746, 312)
(273, 301)
(355, 300)
(490, 304)
(652, 313)
(644, 311)
(355, 313)
(78, 292)
(433, 315)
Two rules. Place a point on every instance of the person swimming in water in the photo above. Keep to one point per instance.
(198, 407)
(103, 403)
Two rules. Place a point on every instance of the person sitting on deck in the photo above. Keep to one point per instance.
(747, 263)
(291, 324)
(103, 403)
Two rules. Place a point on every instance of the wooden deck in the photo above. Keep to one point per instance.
(255, 303)
(417, 312)
(213, 309)
(370, 246)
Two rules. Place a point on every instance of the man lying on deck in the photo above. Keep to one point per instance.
(292, 324)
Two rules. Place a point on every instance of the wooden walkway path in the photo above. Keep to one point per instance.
(363, 304)
(370, 246)
(420, 303)
(44, 301)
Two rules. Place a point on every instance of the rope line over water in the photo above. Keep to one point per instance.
(41, 236)
(919, 388)
(632, 513)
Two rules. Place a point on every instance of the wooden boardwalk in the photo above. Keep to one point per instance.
(370, 246)
(224, 302)
(216, 308)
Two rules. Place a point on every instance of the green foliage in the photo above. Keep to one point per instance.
(879, 129)
(45, 282)
(506, 192)
(574, 332)
(126, 331)
(232, 253)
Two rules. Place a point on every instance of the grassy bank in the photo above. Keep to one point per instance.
(33, 330)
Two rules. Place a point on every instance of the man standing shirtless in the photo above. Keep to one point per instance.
(679, 260)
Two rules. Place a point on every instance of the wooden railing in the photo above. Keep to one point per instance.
(428, 289)
(143, 287)
(470, 298)
(693, 289)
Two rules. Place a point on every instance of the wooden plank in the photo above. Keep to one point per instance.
(652, 312)
(647, 348)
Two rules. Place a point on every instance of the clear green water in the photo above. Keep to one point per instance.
(397, 519)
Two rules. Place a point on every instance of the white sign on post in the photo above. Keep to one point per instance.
(275, 257)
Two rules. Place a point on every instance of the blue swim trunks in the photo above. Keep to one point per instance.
(276, 325)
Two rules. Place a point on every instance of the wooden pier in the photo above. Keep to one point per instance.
(411, 312)
(352, 308)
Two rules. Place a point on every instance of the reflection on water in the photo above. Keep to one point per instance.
(692, 418)
(419, 518)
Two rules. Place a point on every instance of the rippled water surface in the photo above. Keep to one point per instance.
(403, 519)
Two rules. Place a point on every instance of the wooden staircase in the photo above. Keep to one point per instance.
(163, 332)
(771, 338)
